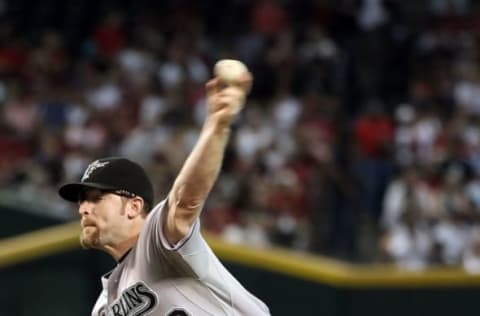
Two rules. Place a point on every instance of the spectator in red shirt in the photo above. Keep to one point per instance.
(109, 36)
(373, 133)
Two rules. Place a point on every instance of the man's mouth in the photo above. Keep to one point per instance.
(87, 223)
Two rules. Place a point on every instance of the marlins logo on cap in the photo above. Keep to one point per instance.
(92, 167)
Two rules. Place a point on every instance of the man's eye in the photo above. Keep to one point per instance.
(90, 197)
(94, 198)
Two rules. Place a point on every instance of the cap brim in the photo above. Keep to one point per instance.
(70, 191)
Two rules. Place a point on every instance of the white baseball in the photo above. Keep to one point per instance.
(229, 70)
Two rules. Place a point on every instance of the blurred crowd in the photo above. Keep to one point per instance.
(360, 140)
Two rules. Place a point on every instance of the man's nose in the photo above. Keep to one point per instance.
(85, 208)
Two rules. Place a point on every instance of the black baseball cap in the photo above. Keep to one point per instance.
(112, 173)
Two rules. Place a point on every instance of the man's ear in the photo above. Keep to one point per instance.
(135, 207)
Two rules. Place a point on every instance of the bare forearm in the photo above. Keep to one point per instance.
(196, 179)
(202, 166)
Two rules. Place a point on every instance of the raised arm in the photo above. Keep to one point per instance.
(200, 170)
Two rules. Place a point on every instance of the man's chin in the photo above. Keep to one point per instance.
(89, 241)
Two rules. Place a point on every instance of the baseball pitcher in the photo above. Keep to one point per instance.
(164, 266)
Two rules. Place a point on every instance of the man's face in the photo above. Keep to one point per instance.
(103, 218)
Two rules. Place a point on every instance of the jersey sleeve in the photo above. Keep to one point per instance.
(192, 248)
(154, 228)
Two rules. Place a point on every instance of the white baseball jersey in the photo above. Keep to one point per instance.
(158, 279)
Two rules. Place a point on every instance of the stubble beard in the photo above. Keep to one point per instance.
(90, 240)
